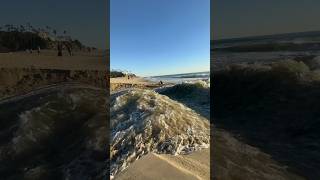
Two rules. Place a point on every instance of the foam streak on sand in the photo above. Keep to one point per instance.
(187, 165)
(193, 166)
(177, 166)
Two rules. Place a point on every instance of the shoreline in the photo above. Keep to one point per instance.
(195, 165)
(123, 83)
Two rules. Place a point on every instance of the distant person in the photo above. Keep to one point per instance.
(69, 48)
(39, 50)
(161, 83)
(59, 47)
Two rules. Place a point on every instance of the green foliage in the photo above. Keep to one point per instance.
(17, 41)
(114, 74)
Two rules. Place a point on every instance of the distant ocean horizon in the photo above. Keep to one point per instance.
(265, 49)
(182, 77)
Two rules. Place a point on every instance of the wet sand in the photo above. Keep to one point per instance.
(232, 160)
(154, 166)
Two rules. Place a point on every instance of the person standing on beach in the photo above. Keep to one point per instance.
(59, 47)
(69, 48)
(39, 50)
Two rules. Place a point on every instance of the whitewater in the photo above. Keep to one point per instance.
(162, 121)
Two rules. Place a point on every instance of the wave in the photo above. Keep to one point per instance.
(195, 95)
(201, 75)
(274, 46)
(185, 75)
(144, 121)
(59, 135)
(181, 78)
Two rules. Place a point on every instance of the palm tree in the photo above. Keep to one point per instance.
(7, 26)
(55, 32)
(29, 26)
(22, 29)
(48, 29)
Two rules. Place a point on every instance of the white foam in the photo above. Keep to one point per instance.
(144, 121)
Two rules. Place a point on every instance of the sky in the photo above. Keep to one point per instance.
(160, 37)
(241, 18)
(83, 19)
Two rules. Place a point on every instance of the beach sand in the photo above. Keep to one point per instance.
(120, 83)
(21, 72)
(133, 80)
(48, 59)
(164, 166)
(58, 106)
(232, 159)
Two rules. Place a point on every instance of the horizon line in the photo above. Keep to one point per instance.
(178, 73)
(254, 36)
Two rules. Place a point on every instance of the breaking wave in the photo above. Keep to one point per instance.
(144, 121)
(56, 135)
(195, 95)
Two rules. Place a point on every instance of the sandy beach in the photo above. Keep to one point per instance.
(22, 72)
(120, 83)
(48, 59)
(63, 104)
(190, 167)
(133, 80)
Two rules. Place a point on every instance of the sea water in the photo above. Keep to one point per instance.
(181, 78)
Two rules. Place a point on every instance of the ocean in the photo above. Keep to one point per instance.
(181, 78)
(266, 91)
(265, 49)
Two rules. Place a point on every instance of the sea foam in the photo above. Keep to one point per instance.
(144, 121)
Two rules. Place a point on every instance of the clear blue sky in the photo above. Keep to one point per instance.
(84, 19)
(238, 18)
(158, 37)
